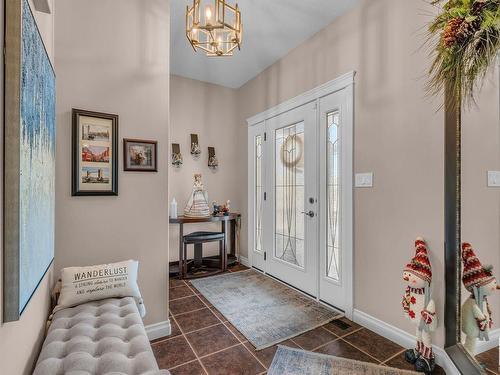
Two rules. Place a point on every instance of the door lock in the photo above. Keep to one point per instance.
(309, 213)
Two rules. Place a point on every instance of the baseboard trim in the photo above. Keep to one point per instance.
(245, 261)
(402, 338)
(158, 330)
(484, 346)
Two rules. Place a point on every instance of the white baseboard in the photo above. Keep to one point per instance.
(402, 338)
(245, 261)
(484, 346)
(158, 330)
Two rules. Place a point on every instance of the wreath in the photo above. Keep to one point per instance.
(466, 40)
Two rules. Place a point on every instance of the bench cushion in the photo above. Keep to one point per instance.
(99, 337)
(203, 237)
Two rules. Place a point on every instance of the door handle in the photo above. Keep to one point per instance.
(309, 213)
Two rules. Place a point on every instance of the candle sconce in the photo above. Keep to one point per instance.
(195, 146)
(177, 160)
(213, 163)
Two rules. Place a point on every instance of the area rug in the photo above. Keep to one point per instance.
(264, 310)
(289, 361)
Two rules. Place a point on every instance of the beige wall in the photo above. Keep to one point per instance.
(211, 112)
(20, 341)
(398, 136)
(113, 56)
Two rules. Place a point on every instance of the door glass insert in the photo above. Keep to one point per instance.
(289, 194)
(258, 193)
(333, 195)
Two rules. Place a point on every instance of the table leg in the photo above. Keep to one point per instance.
(181, 252)
(224, 230)
(233, 238)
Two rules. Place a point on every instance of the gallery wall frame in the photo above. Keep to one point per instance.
(94, 153)
(140, 155)
(29, 160)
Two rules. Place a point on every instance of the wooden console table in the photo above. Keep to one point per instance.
(230, 219)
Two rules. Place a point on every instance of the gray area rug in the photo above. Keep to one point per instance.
(265, 311)
(289, 361)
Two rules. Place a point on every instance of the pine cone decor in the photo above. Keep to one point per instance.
(451, 32)
(466, 30)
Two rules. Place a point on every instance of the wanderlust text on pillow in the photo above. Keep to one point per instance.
(84, 284)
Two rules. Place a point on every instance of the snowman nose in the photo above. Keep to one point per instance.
(498, 287)
(406, 278)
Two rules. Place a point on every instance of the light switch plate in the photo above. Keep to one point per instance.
(364, 180)
(43, 6)
(493, 178)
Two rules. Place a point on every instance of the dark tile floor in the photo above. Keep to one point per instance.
(490, 360)
(204, 342)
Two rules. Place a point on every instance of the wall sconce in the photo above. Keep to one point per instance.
(195, 146)
(177, 160)
(213, 163)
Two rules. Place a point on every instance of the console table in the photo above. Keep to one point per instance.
(230, 219)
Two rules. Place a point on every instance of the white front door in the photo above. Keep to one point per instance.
(291, 204)
(300, 192)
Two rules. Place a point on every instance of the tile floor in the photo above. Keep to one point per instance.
(490, 360)
(204, 342)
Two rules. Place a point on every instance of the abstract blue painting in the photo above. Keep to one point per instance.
(37, 160)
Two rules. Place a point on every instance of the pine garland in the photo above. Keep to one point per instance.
(466, 41)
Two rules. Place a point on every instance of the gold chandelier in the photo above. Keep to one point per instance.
(221, 30)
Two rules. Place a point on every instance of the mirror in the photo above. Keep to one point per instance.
(480, 226)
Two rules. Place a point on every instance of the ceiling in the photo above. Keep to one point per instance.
(272, 28)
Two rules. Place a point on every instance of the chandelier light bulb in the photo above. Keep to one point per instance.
(208, 14)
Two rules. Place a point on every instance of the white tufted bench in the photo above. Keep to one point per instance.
(99, 337)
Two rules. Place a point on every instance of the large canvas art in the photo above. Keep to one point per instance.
(29, 181)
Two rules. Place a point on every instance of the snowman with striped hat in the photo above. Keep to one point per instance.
(419, 307)
(476, 313)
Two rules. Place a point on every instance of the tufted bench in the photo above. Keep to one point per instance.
(99, 337)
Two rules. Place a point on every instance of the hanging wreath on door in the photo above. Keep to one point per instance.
(292, 150)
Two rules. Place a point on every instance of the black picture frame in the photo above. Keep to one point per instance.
(77, 154)
(154, 159)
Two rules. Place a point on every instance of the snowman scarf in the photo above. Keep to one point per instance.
(481, 300)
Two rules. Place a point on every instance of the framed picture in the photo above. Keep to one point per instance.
(95, 146)
(29, 160)
(139, 155)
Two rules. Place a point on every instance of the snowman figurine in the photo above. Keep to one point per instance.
(419, 308)
(476, 313)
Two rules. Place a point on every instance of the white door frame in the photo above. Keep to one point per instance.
(345, 81)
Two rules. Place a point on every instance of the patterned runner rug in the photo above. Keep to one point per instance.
(289, 361)
(264, 310)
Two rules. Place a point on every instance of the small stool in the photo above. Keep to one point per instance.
(198, 239)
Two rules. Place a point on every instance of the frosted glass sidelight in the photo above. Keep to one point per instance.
(289, 194)
(333, 196)
(258, 193)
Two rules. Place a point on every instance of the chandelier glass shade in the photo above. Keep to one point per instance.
(214, 28)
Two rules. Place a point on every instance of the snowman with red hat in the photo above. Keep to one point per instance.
(419, 307)
(476, 313)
